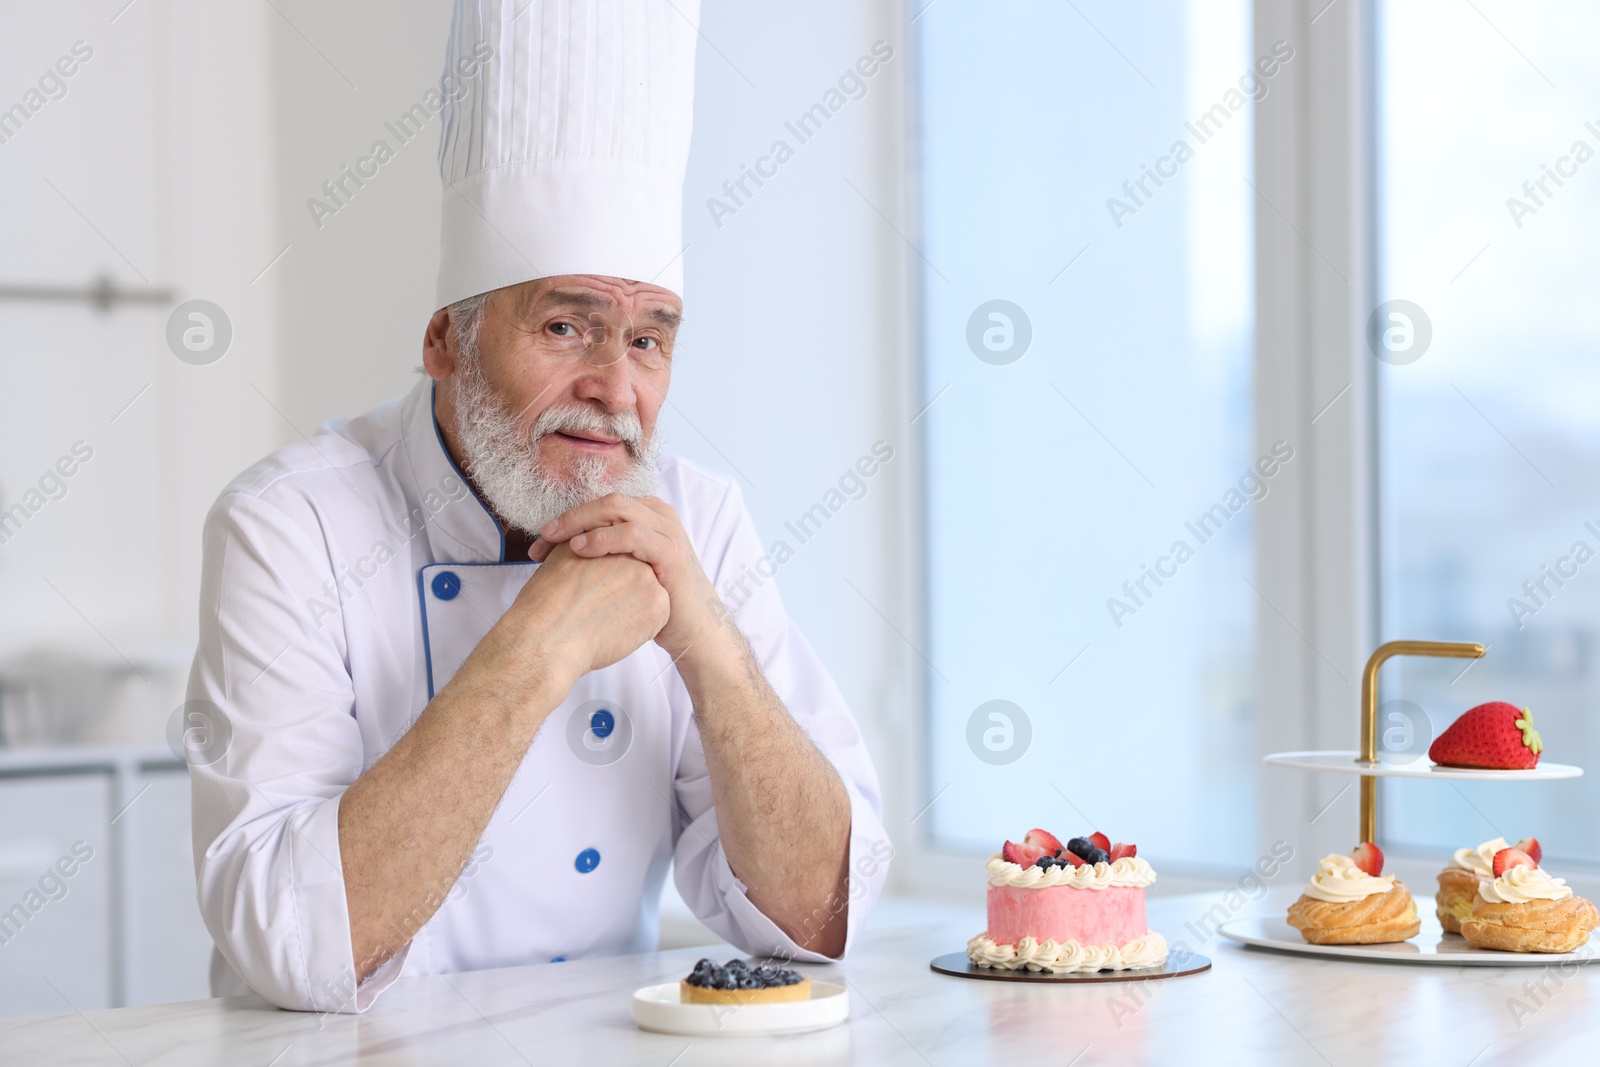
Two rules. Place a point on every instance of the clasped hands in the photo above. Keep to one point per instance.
(617, 572)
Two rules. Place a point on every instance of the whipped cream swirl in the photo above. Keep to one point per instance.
(1522, 884)
(1480, 860)
(1128, 872)
(1061, 957)
(1339, 881)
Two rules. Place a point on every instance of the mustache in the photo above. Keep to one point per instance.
(623, 425)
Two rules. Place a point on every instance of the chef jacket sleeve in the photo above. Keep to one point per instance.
(708, 885)
(271, 671)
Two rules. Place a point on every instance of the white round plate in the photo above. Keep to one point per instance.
(1346, 762)
(1431, 945)
(657, 1007)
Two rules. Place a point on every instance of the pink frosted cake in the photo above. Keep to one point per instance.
(1072, 907)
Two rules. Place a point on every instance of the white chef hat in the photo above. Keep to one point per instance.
(568, 158)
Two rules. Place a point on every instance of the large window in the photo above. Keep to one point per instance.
(1489, 184)
(1085, 252)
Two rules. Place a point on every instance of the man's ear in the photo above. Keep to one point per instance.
(439, 346)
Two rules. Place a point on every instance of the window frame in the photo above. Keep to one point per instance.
(1316, 547)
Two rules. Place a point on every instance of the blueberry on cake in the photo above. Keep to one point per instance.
(736, 982)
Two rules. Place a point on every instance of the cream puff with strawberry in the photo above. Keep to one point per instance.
(1350, 901)
(1468, 869)
(1523, 909)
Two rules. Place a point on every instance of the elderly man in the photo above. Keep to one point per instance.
(469, 683)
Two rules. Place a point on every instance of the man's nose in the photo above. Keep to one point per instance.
(608, 373)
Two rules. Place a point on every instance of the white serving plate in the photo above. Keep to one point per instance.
(1431, 945)
(1347, 762)
(657, 1008)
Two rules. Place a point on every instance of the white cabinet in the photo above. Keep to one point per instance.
(97, 896)
(168, 948)
(56, 950)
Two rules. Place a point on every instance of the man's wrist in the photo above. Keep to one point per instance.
(537, 656)
(717, 656)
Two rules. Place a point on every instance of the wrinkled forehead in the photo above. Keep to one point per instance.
(609, 299)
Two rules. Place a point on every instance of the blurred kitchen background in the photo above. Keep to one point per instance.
(175, 163)
(991, 256)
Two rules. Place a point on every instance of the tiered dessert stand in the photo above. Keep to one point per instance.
(1432, 944)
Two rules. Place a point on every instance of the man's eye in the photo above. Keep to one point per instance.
(563, 329)
(647, 343)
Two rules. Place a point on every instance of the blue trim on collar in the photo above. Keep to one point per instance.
(433, 417)
(422, 602)
(427, 648)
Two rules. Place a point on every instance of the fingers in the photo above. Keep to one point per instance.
(660, 507)
(609, 510)
(636, 539)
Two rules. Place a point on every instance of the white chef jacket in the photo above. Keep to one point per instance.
(345, 578)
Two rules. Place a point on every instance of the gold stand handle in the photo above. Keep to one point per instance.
(1369, 713)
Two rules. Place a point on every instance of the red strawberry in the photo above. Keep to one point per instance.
(1046, 840)
(1120, 851)
(1496, 736)
(1077, 860)
(1368, 857)
(1021, 855)
(1100, 840)
(1530, 845)
(1508, 858)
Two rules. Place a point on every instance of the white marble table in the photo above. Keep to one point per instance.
(1252, 1007)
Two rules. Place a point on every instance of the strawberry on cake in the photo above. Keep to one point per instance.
(1073, 907)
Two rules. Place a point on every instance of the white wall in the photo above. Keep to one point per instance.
(358, 289)
(795, 350)
(153, 169)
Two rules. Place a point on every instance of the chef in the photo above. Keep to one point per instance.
(465, 689)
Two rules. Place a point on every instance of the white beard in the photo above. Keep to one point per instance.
(504, 460)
